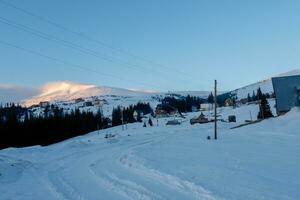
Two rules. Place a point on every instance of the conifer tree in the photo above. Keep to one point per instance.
(253, 96)
(259, 94)
(116, 116)
(210, 98)
(265, 110)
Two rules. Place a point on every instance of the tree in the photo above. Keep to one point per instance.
(253, 98)
(210, 98)
(259, 94)
(117, 116)
(264, 108)
(249, 99)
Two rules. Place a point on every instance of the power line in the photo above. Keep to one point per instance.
(77, 47)
(73, 64)
(65, 43)
(79, 34)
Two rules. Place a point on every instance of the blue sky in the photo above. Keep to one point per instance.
(185, 45)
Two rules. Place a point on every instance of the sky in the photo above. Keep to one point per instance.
(140, 44)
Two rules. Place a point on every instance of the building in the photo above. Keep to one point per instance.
(78, 100)
(164, 110)
(99, 102)
(229, 102)
(87, 104)
(201, 119)
(44, 104)
(287, 92)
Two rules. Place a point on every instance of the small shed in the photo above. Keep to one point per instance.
(173, 122)
(201, 119)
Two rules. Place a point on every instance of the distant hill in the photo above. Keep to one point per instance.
(65, 91)
(265, 85)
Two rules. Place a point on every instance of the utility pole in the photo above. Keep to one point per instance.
(122, 118)
(215, 109)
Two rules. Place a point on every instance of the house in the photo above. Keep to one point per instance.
(164, 110)
(287, 92)
(44, 104)
(229, 102)
(78, 100)
(88, 103)
(99, 102)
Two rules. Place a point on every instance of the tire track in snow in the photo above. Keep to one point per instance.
(124, 187)
(62, 188)
(104, 170)
(132, 190)
(170, 181)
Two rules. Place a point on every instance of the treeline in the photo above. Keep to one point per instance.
(258, 96)
(184, 103)
(128, 114)
(20, 128)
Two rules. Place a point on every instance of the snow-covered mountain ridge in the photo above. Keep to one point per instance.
(66, 91)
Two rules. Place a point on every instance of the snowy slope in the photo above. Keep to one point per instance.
(63, 95)
(265, 85)
(162, 162)
(64, 91)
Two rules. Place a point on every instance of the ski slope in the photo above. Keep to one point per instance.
(163, 162)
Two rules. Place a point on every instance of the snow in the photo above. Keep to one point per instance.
(265, 85)
(66, 91)
(257, 161)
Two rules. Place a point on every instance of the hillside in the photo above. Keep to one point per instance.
(65, 91)
(162, 162)
(265, 85)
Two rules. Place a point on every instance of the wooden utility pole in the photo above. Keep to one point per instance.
(215, 109)
(122, 117)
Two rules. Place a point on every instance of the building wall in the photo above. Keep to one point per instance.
(286, 93)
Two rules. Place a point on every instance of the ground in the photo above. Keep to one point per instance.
(258, 161)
